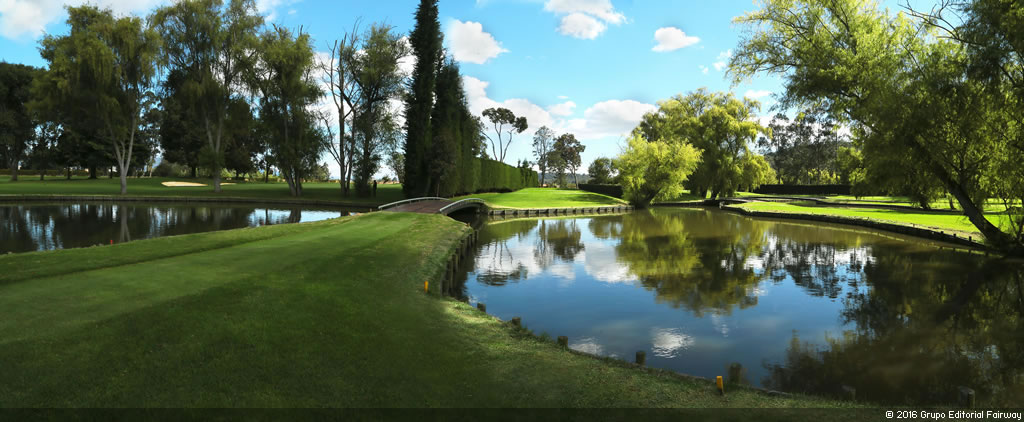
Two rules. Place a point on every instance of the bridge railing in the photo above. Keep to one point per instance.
(409, 201)
(460, 203)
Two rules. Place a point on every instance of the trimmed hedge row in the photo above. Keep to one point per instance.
(803, 189)
(610, 190)
(495, 176)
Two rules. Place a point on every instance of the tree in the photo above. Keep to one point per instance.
(425, 40)
(181, 132)
(756, 172)
(542, 144)
(655, 170)
(807, 144)
(335, 71)
(288, 89)
(558, 166)
(499, 118)
(601, 170)
(215, 46)
(446, 124)
(377, 79)
(16, 122)
(716, 123)
(105, 67)
(569, 149)
(915, 92)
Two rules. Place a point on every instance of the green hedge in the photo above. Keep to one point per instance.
(610, 190)
(496, 176)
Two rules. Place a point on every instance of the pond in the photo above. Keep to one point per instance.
(26, 227)
(784, 305)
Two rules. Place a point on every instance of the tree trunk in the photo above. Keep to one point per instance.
(13, 164)
(93, 172)
(69, 173)
(42, 175)
(195, 172)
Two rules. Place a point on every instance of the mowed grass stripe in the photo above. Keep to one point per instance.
(334, 317)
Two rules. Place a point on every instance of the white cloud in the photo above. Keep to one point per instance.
(469, 42)
(613, 118)
(722, 60)
(671, 39)
(563, 109)
(579, 25)
(563, 97)
(584, 19)
(756, 94)
(609, 118)
(601, 9)
(30, 17)
(704, 70)
(268, 8)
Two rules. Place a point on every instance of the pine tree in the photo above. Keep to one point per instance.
(426, 45)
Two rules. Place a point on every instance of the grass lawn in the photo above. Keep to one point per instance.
(546, 198)
(152, 187)
(337, 318)
(940, 221)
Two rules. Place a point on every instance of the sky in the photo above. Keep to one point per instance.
(587, 67)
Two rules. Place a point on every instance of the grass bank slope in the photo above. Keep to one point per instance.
(300, 315)
(153, 187)
(939, 221)
(546, 198)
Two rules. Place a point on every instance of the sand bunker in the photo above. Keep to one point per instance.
(187, 184)
(180, 184)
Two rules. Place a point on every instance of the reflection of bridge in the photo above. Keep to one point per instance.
(432, 205)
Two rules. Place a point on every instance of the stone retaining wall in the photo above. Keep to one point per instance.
(557, 211)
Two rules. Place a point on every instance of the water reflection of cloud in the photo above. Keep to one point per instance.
(600, 263)
(668, 342)
(720, 324)
(506, 257)
(587, 345)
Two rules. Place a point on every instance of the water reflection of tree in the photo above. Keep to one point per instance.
(695, 260)
(57, 226)
(918, 335)
(557, 239)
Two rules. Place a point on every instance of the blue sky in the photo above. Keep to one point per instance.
(588, 67)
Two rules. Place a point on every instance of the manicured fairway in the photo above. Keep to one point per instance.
(940, 221)
(152, 187)
(546, 198)
(329, 314)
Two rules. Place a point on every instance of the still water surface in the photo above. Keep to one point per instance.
(799, 307)
(26, 227)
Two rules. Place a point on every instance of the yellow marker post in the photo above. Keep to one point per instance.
(426, 287)
(721, 387)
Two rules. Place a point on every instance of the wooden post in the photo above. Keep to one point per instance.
(482, 307)
(641, 357)
(966, 398)
(563, 341)
(517, 322)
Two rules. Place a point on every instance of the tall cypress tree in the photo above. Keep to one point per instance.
(426, 45)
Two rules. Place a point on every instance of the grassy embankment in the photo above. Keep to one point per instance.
(939, 221)
(337, 318)
(152, 187)
(546, 198)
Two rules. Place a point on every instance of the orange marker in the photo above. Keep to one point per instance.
(426, 286)
(721, 387)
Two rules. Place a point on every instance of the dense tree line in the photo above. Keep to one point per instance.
(444, 142)
(212, 89)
